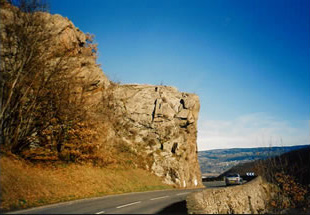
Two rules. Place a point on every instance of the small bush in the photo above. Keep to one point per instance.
(290, 193)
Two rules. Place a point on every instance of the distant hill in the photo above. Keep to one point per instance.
(214, 162)
(295, 163)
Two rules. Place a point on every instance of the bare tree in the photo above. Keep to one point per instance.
(37, 80)
(22, 50)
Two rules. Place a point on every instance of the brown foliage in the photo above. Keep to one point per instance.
(40, 87)
(290, 194)
(283, 172)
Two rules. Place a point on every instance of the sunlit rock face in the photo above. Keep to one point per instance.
(162, 122)
(70, 38)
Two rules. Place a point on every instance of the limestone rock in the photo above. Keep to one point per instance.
(250, 198)
(65, 34)
(183, 114)
(167, 118)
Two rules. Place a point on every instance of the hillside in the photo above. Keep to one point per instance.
(59, 112)
(215, 162)
(281, 186)
(295, 163)
(289, 174)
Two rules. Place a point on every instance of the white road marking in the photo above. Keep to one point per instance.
(128, 204)
(182, 193)
(100, 212)
(162, 197)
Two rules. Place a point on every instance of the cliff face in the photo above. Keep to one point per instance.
(157, 121)
(162, 122)
(70, 38)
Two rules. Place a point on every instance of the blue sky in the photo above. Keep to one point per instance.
(247, 60)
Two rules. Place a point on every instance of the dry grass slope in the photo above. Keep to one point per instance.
(25, 184)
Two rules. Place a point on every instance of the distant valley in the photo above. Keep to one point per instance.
(214, 162)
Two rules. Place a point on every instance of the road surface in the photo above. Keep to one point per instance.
(152, 202)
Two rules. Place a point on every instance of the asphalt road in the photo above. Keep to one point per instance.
(153, 202)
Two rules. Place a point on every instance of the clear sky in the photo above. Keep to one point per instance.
(249, 61)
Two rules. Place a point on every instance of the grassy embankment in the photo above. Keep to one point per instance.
(24, 184)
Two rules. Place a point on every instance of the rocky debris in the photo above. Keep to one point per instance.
(164, 121)
(250, 198)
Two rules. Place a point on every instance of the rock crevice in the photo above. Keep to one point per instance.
(165, 121)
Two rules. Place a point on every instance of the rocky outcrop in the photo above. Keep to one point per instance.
(157, 121)
(250, 198)
(66, 35)
(63, 37)
(164, 123)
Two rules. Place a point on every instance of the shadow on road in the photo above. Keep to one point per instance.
(214, 184)
(176, 208)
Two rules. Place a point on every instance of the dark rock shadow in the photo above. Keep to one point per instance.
(176, 208)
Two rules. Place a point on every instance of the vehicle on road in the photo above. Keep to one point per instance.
(233, 178)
